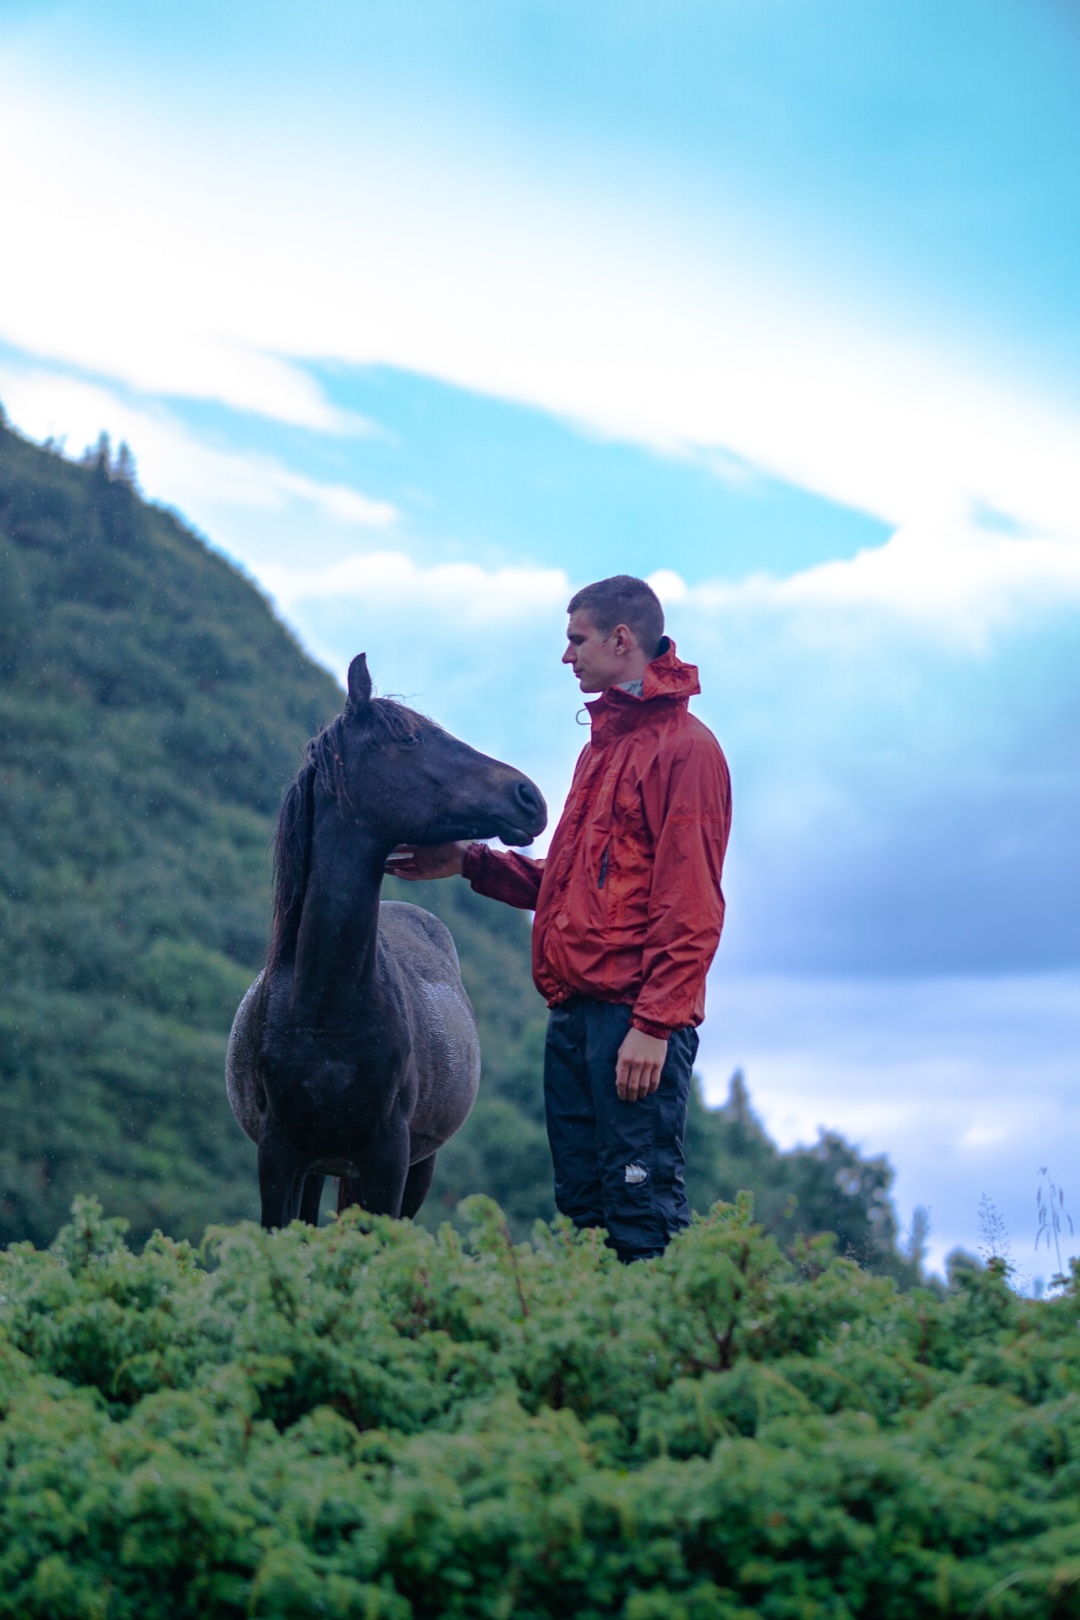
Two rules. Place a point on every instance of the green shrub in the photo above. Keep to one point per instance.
(371, 1420)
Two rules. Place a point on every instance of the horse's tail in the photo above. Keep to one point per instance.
(292, 862)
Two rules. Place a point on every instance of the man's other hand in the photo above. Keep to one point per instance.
(418, 862)
(640, 1061)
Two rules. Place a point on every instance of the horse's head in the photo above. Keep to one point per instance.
(410, 782)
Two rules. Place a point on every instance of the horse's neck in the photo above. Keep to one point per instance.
(336, 941)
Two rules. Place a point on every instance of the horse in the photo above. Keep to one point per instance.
(355, 1052)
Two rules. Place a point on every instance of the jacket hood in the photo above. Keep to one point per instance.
(667, 678)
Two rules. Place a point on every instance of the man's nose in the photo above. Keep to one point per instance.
(568, 655)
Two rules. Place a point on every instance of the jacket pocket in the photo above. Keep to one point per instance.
(604, 865)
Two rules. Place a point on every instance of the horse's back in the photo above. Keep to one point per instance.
(420, 933)
(446, 1046)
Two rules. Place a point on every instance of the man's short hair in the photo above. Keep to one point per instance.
(622, 599)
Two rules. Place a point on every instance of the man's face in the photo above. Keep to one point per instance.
(594, 657)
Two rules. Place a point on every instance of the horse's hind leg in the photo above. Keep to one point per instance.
(417, 1186)
(311, 1198)
(348, 1193)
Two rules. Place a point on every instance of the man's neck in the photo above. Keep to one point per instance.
(632, 669)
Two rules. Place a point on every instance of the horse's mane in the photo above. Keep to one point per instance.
(384, 721)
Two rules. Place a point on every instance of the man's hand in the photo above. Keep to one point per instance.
(637, 1071)
(420, 861)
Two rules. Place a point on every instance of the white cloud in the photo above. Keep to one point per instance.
(466, 595)
(959, 581)
(983, 1135)
(115, 277)
(955, 572)
(476, 648)
(338, 501)
(668, 585)
(210, 270)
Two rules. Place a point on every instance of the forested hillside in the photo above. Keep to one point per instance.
(151, 710)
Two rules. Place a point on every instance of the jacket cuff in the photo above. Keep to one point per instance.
(473, 861)
(659, 1032)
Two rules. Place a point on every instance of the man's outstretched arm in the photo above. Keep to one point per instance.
(499, 874)
(419, 862)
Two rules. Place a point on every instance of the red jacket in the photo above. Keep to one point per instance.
(628, 902)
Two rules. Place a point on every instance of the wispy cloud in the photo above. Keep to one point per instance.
(173, 463)
(465, 593)
(955, 579)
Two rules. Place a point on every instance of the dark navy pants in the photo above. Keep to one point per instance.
(617, 1164)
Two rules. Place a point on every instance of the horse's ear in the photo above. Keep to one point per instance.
(359, 683)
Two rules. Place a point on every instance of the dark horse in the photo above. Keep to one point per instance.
(355, 1053)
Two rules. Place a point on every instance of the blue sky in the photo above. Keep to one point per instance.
(428, 314)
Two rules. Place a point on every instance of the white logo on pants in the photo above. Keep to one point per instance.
(635, 1174)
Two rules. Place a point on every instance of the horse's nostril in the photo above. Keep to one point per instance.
(530, 800)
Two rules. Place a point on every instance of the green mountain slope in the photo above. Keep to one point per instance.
(151, 710)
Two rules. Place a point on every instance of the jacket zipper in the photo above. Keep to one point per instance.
(603, 866)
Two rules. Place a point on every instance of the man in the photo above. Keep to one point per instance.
(628, 916)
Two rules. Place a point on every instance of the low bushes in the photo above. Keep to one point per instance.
(370, 1421)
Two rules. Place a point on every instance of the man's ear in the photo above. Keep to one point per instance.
(359, 684)
(624, 638)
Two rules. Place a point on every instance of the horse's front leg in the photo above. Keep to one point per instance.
(382, 1167)
(281, 1176)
